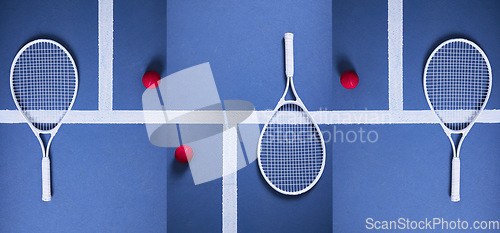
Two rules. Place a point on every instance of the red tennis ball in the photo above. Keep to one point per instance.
(151, 79)
(183, 154)
(349, 79)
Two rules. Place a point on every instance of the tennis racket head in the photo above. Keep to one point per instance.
(291, 150)
(44, 82)
(457, 83)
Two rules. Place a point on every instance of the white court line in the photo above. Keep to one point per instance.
(105, 55)
(230, 180)
(395, 54)
(257, 117)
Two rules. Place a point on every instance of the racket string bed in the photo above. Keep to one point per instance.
(291, 152)
(44, 84)
(457, 90)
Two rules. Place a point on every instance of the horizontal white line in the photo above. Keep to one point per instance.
(256, 117)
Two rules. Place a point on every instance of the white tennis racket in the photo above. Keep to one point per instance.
(457, 85)
(43, 83)
(291, 149)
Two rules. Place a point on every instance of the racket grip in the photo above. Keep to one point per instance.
(455, 179)
(46, 194)
(289, 54)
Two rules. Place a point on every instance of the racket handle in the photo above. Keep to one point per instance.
(46, 195)
(289, 54)
(455, 179)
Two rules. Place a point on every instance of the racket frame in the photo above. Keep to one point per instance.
(455, 180)
(46, 180)
(299, 103)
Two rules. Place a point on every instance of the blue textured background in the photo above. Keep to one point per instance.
(109, 178)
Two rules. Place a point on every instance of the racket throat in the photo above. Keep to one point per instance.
(456, 143)
(290, 95)
(45, 141)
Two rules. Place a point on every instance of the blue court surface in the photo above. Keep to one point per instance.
(388, 161)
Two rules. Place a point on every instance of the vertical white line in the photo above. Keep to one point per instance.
(395, 54)
(229, 180)
(105, 55)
